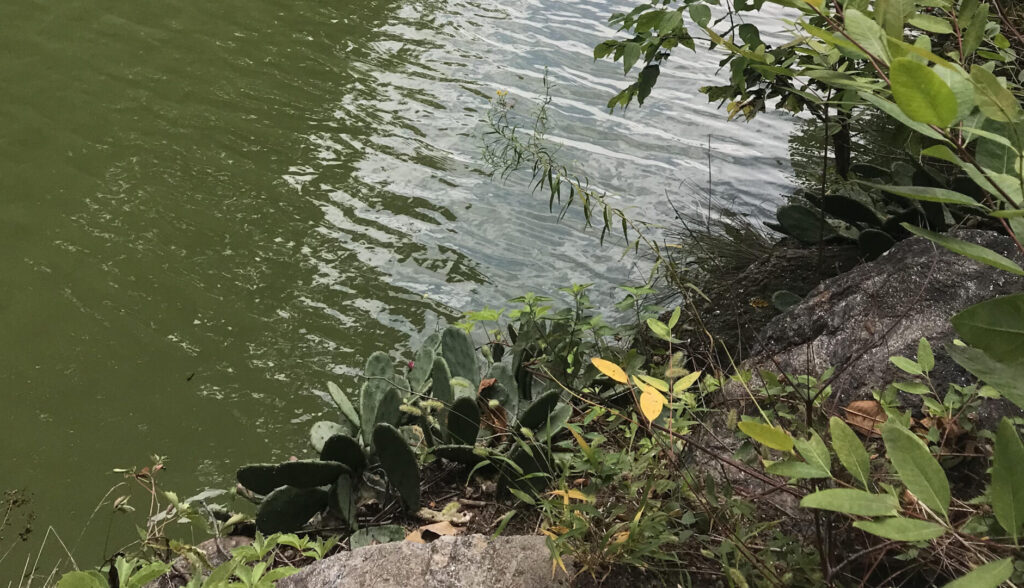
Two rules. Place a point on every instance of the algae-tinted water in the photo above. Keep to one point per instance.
(207, 209)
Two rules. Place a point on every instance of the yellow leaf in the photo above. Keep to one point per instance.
(651, 403)
(819, 4)
(620, 537)
(580, 439)
(685, 382)
(610, 369)
(574, 494)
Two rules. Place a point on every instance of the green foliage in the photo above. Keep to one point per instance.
(1007, 490)
(989, 575)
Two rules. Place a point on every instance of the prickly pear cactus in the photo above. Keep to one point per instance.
(458, 351)
(874, 243)
(288, 509)
(464, 454)
(379, 373)
(344, 405)
(462, 422)
(850, 211)
(419, 374)
(346, 450)
(803, 224)
(343, 499)
(536, 415)
(321, 431)
(399, 463)
(441, 377)
(263, 478)
(508, 393)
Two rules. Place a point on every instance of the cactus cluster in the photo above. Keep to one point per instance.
(869, 217)
(297, 490)
(444, 399)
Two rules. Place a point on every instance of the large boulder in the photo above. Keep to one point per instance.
(856, 321)
(452, 562)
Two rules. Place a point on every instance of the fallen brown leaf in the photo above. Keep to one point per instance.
(428, 533)
(865, 417)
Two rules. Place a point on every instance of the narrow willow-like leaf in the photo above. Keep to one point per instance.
(774, 437)
(918, 470)
(797, 469)
(895, 112)
(976, 252)
(921, 94)
(902, 529)
(1007, 490)
(995, 101)
(815, 453)
(850, 450)
(852, 502)
(929, 194)
(990, 575)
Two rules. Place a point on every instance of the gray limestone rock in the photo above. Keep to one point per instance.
(859, 319)
(450, 562)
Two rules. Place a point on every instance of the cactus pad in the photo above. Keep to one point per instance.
(288, 509)
(399, 463)
(457, 349)
(462, 422)
(346, 450)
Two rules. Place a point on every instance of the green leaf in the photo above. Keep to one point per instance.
(797, 469)
(700, 14)
(908, 365)
(918, 470)
(930, 23)
(1006, 377)
(674, 319)
(990, 575)
(815, 453)
(925, 357)
(89, 579)
(895, 112)
(1007, 490)
(671, 20)
(631, 53)
(774, 437)
(867, 34)
(976, 252)
(995, 326)
(902, 529)
(921, 94)
(928, 194)
(995, 101)
(661, 330)
(850, 450)
(852, 502)
(942, 152)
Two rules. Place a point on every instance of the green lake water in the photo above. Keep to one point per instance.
(209, 209)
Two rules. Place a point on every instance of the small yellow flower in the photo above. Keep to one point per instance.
(502, 93)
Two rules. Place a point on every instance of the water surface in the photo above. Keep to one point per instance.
(208, 209)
